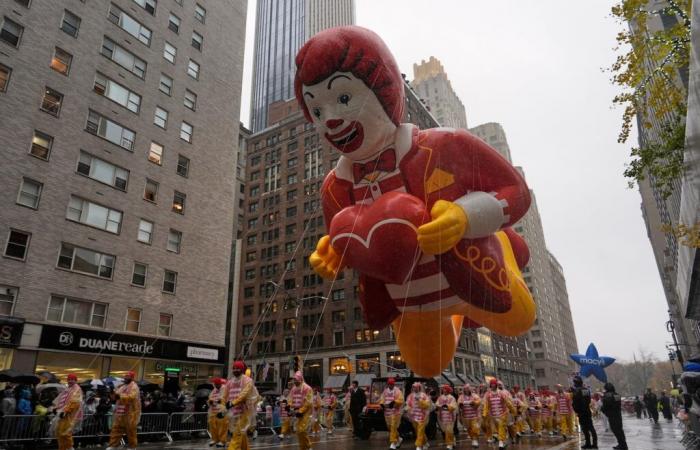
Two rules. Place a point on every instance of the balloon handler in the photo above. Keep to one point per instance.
(217, 420)
(68, 406)
(425, 216)
(301, 396)
(237, 392)
(127, 414)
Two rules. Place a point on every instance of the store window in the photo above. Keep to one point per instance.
(85, 367)
(120, 366)
(395, 360)
(368, 364)
(313, 372)
(339, 366)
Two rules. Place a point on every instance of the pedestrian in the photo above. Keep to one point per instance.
(68, 406)
(497, 404)
(469, 403)
(652, 405)
(217, 421)
(237, 392)
(358, 400)
(301, 405)
(347, 417)
(612, 408)
(565, 412)
(418, 405)
(285, 410)
(581, 402)
(391, 402)
(447, 412)
(128, 413)
(638, 407)
(330, 402)
(8, 404)
(665, 403)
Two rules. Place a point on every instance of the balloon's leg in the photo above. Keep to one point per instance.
(427, 340)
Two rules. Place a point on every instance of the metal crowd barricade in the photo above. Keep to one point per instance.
(19, 428)
(187, 422)
(154, 423)
(264, 423)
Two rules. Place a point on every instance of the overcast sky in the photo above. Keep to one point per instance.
(535, 67)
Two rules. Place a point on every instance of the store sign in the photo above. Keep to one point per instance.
(11, 331)
(91, 341)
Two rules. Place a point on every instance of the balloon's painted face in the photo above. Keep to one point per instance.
(348, 114)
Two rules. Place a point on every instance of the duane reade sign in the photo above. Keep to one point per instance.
(202, 353)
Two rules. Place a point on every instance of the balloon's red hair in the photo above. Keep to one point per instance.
(356, 50)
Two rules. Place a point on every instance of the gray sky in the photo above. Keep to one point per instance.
(535, 67)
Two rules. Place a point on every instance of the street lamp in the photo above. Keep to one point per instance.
(671, 328)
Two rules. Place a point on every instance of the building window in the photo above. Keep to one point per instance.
(70, 24)
(133, 320)
(150, 193)
(174, 240)
(51, 103)
(29, 193)
(193, 69)
(174, 23)
(129, 24)
(8, 295)
(11, 32)
(83, 260)
(117, 93)
(539, 373)
(338, 316)
(94, 215)
(197, 40)
(24, 3)
(61, 61)
(179, 202)
(169, 281)
(160, 118)
(81, 312)
(166, 84)
(539, 355)
(338, 294)
(4, 77)
(200, 13)
(148, 5)
(101, 126)
(183, 166)
(17, 244)
(169, 52)
(155, 153)
(165, 324)
(102, 171)
(138, 276)
(186, 131)
(190, 100)
(145, 233)
(124, 58)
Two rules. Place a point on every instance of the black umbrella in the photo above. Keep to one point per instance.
(50, 378)
(16, 376)
(270, 393)
(208, 386)
(200, 393)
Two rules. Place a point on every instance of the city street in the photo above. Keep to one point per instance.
(641, 435)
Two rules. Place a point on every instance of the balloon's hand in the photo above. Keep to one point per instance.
(445, 230)
(325, 261)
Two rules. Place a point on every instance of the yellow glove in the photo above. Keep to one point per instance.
(445, 230)
(325, 261)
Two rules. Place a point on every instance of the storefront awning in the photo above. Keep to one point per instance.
(364, 379)
(453, 379)
(335, 381)
(474, 380)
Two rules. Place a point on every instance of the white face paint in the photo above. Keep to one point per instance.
(349, 116)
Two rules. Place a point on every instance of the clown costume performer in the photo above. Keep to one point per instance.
(447, 413)
(330, 402)
(469, 403)
(565, 412)
(127, 414)
(418, 406)
(69, 408)
(217, 420)
(391, 402)
(301, 396)
(497, 405)
(238, 391)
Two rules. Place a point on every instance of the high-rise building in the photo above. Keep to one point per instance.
(553, 337)
(281, 28)
(432, 84)
(118, 140)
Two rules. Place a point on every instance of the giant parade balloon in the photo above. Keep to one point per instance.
(424, 216)
(593, 364)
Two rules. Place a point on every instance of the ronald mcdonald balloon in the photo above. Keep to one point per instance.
(424, 216)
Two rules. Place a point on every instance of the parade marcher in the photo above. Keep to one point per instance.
(520, 405)
(665, 403)
(68, 405)
(581, 403)
(285, 417)
(317, 405)
(486, 425)
(447, 412)
(418, 405)
(469, 403)
(391, 402)
(497, 404)
(548, 405)
(330, 402)
(218, 422)
(127, 413)
(652, 405)
(612, 408)
(564, 410)
(301, 397)
(237, 393)
(358, 400)
(534, 413)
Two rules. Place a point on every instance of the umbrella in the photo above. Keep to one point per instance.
(147, 386)
(207, 386)
(58, 386)
(270, 393)
(50, 378)
(113, 381)
(16, 376)
(199, 393)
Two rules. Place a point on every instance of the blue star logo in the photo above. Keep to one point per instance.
(592, 364)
